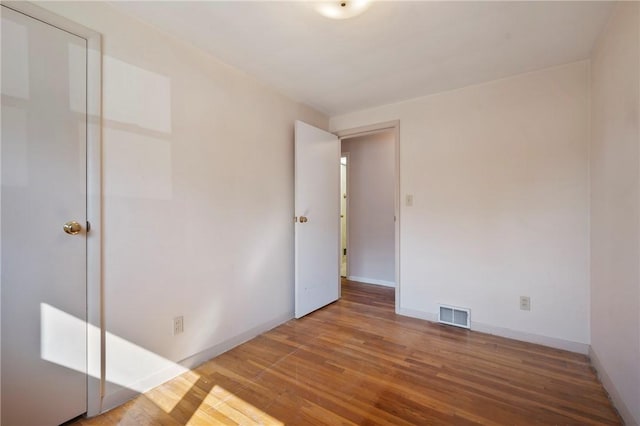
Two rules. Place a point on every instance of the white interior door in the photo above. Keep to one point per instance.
(43, 268)
(317, 209)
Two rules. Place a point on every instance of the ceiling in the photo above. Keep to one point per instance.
(396, 50)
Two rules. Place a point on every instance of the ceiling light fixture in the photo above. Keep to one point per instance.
(342, 9)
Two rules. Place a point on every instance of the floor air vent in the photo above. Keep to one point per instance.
(460, 317)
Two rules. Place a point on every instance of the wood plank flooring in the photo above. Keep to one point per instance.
(356, 362)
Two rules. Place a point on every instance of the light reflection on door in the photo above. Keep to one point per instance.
(43, 176)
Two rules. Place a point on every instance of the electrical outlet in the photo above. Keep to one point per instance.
(178, 325)
(525, 303)
(409, 200)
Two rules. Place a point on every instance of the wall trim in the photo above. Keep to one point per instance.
(427, 316)
(553, 342)
(611, 389)
(367, 130)
(371, 281)
(124, 394)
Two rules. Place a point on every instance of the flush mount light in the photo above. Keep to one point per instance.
(342, 9)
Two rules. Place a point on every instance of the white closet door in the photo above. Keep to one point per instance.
(43, 175)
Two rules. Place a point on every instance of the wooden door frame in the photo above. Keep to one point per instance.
(95, 317)
(393, 126)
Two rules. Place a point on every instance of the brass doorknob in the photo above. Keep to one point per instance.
(303, 219)
(72, 228)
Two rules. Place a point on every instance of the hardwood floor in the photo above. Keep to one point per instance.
(357, 362)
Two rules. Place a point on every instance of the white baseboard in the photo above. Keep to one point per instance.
(608, 384)
(427, 316)
(124, 394)
(117, 398)
(552, 342)
(371, 281)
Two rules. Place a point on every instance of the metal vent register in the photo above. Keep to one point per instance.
(459, 317)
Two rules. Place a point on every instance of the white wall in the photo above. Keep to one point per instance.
(198, 199)
(371, 195)
(499, 174)
(615, 209)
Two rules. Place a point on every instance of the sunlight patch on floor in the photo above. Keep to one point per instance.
(168, 395)
(188, 396)
(220, 401)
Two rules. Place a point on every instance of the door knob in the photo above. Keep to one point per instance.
(303, 219)
(72, 228)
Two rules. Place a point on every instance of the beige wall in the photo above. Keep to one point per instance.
(615, 209)
(499, 175)
(198, 200)
(371, 194)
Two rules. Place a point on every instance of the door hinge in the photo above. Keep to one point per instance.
(344, 252)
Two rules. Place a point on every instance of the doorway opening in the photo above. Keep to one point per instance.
(369, 206)
(344, 161)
